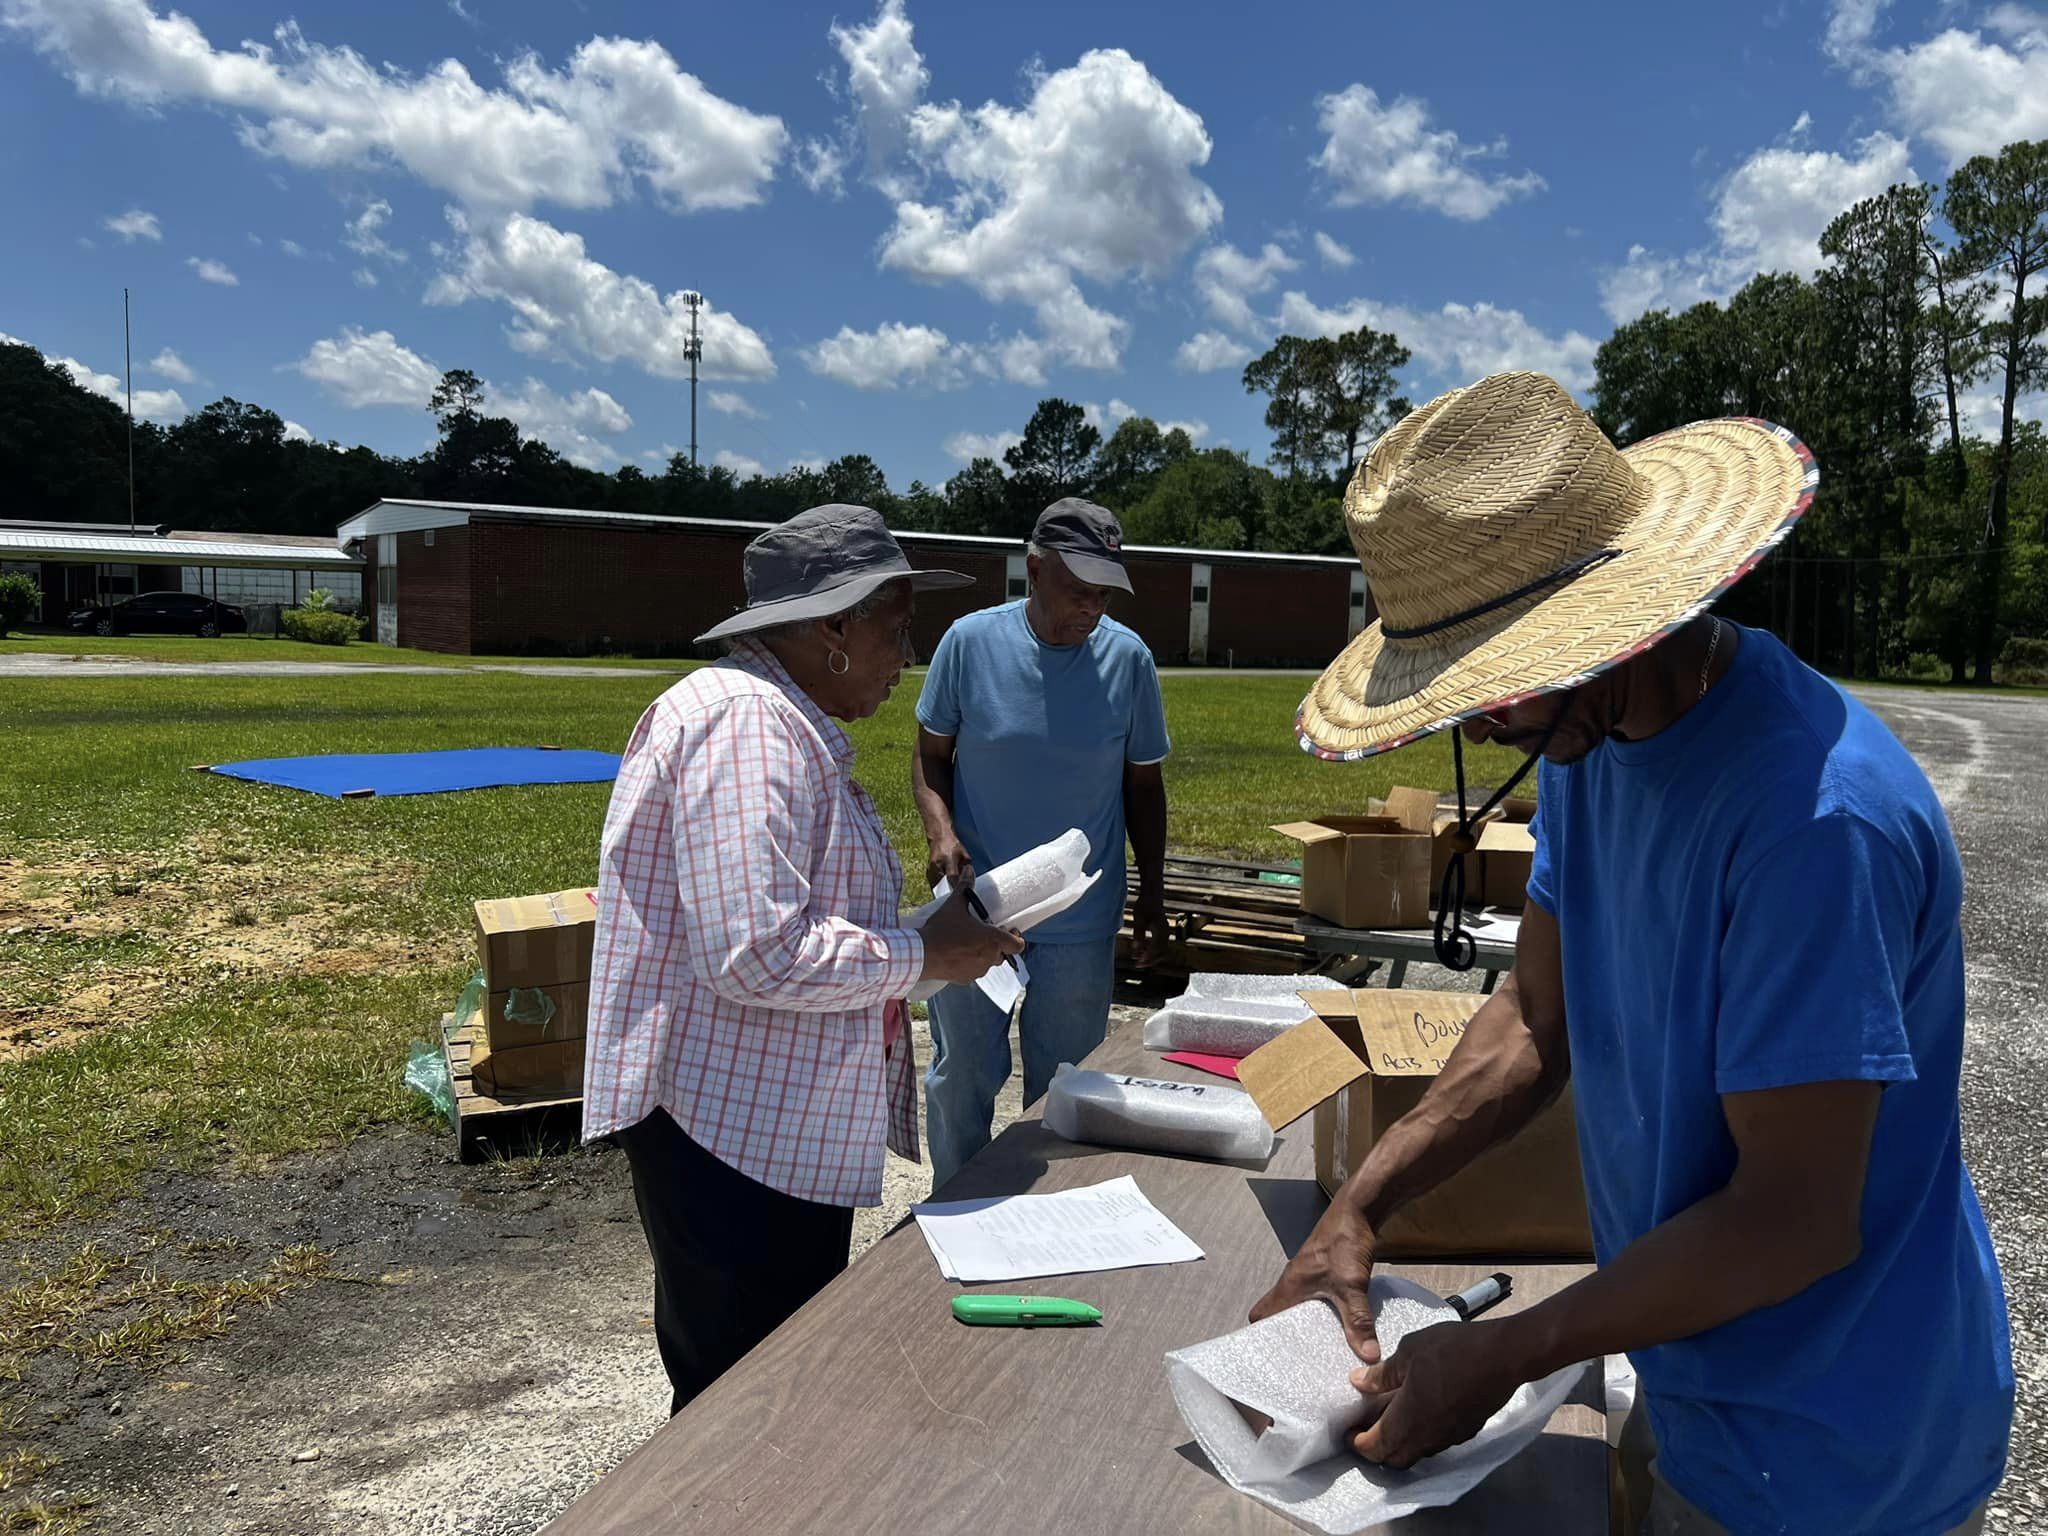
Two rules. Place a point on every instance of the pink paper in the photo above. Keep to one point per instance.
(1202, 1061)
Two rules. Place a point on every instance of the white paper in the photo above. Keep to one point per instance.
(1004, 984)
(1020, 894)
(1071, 1232)
(1295, 1369)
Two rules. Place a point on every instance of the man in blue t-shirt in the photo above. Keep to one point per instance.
(1036, 718)
(1743, 949)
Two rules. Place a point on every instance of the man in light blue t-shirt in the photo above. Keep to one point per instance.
(1038, 717)
(1743, 950)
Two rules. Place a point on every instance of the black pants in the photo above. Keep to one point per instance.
(733, 1259)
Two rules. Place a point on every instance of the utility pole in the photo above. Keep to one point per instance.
(693, 349)
(128, 353)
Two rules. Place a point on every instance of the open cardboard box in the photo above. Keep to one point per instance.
(1362, 1063)
(1499, 876)
(1363, 871)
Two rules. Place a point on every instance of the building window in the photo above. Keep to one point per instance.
(387, 585)
(1018, 578)
(430, 538)
(1200, 594)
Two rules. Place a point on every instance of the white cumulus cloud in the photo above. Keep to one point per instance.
(1093, 178)
(294, 433)
(564, 301)
(364, 277)
(1459, 342)
(620, 113)
(135, 225)
(150, 404)
(1335, 254)
(361, 368)
(728, 403)
(1965, 90)
(969, 446)
(1226, 278)
(890, 355)
(172, 366)
(1768, 217)
(1207, 351)
(573, 425)
(1389, 153)
(743, 468)
(361, 235)
(212, 271)
(886, 79)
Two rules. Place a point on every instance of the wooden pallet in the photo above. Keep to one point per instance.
(487, 1129)
(1224, 917)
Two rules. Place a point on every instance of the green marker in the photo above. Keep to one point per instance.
(1024, 1312)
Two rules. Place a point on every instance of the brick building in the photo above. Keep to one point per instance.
(493, 580)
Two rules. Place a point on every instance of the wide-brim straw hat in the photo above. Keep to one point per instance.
(1512, 550)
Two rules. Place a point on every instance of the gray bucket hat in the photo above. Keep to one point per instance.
(819, 563)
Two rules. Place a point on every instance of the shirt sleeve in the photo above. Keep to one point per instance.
(746, 809)
(938, 705)
(1148, 741)
(1542, 881)
(1814, 962)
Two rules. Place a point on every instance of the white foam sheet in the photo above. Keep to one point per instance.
(1020, 894)
(1295, 1369)
(1111, 1109)
(1230, 1015)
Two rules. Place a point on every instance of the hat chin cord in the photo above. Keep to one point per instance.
(1456, 949)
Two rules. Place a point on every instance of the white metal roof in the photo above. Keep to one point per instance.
(403, 515)
(78, 547)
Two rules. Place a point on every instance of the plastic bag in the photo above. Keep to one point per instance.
(529, 1005)
(470, 1001)
(426, 1074)
(1230, 1015)
(1199, 1119)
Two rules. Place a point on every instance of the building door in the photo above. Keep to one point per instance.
(1198, 616)
(387, 589)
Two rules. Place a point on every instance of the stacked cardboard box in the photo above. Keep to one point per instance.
(535, 952)
(1362, 1063)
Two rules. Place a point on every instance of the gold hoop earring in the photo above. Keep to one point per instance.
(838, 664)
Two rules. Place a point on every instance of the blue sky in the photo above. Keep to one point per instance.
(912, 222)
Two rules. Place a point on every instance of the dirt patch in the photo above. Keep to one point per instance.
(88, 939)
(479, 1351)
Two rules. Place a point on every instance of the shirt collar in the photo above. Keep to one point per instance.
(751, 655)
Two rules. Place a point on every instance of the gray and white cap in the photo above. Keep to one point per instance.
(1087, 538)
(823, 562)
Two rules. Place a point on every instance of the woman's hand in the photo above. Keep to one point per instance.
(958, 946)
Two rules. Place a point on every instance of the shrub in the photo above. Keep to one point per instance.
(319, 626)
(19, 597)
(2024, 660)
(319, 600)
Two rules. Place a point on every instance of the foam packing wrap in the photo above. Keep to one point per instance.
(1022, 893)
(1108, 1109)
(1230, 1015)
(1295, 1368)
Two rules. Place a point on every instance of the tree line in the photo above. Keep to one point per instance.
(1905, 363)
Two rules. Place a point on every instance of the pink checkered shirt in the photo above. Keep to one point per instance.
(748, 941)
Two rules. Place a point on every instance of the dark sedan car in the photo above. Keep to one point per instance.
(163, 613)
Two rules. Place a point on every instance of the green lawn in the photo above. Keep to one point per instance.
(255, 648)
(232, 969)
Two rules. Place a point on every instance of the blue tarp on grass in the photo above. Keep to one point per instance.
(347, 775)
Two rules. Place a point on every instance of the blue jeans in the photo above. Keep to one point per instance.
(1063, 1017)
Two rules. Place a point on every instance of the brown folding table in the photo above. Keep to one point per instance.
(872, 1410)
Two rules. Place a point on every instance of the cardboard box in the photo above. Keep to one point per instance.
(1362, 1063)
(567, 1011)
(1363, 871)
(1507, 854)
(554, 1069)
(536, 941)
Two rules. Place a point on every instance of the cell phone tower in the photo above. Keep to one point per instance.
(693, 349)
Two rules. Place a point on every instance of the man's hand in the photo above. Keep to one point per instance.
(1334, 1265)
(949, 861)
(1150, 933)
(1445, 1383)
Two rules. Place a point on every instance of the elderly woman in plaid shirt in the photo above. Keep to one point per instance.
(747, 1041)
